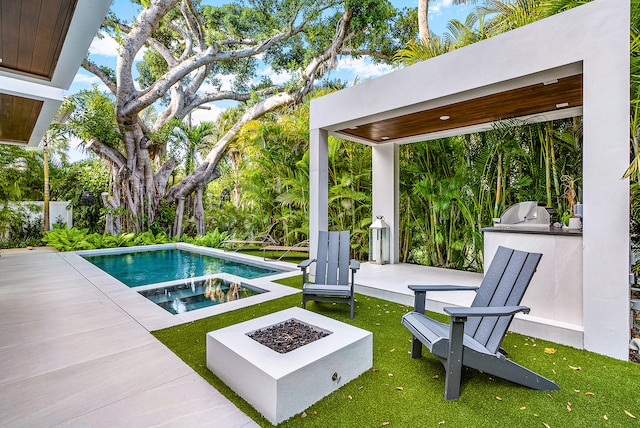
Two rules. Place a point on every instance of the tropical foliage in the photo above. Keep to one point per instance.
(189, 50)
(21, 179)
(75, 239)
(265, 179)
(450, 188)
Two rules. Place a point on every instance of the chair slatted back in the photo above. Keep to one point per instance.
(504, 284)
(332, 262)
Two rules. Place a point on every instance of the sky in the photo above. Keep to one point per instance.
(103, 52)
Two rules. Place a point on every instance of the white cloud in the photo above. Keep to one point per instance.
(200, 115)
(107, 46)
(362, 68)
(437, 6)
(86, 79)
(226, 81)
(276, 78)
(83, 80)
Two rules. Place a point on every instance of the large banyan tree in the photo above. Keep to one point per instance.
(187, 47)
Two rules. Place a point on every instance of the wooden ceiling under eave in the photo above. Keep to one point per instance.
(18, 116)
(529, 100)
(32, 33)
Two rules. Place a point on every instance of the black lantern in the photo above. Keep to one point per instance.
(87, 198)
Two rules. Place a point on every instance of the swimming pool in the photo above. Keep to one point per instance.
(197, 294)
(193, 301)
(150, 267)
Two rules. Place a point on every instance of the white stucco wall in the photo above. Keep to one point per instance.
(592, 39)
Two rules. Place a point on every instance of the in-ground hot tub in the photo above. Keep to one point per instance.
(282, 385)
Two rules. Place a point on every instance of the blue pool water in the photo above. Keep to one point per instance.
(193, 295)
(150, 267)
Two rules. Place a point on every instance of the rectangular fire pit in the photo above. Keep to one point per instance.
(282, 385)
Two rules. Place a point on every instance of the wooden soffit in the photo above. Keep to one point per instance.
(32, 33)
(18, 117)
(562, 93)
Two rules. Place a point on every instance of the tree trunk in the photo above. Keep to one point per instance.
(139, 190)
(423, 21)
(112, 224)
(177, 225)
(198, 210)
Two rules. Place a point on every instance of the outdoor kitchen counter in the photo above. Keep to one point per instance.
(537, 231)
(555, 292)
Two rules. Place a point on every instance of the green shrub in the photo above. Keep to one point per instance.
(79, 239)
(64, 239)
(212, 239)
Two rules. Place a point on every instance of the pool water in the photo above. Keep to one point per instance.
(151, 267)
(193, 295)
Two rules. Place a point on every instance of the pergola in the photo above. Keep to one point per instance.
(574, 63)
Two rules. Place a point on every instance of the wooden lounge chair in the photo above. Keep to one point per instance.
(332, 271)
(301, 247)
(264, 239)
(476, 343)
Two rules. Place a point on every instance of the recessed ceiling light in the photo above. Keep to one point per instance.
(550, 82)
(353, 127)
(561, 105)
(445, 117)
(385, 138)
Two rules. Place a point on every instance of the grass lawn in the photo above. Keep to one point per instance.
(402, 392)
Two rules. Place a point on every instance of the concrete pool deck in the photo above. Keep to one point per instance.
(75, 350)
(71, 356)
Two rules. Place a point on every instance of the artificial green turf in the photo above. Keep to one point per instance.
(404, 392)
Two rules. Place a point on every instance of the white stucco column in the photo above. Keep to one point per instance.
(385, 183)
(318, 186)
(606, 193)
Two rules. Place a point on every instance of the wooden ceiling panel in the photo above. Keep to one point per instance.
(529, 100)
(32, 33)
(18, 117)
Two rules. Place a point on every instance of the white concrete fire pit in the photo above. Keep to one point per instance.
(282, 385)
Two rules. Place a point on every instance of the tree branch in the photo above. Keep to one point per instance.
(92, 67)
(207, 169)
(107, 153)
(147, 22)
(193, 21)
(230, 95)
(369, 52)
(162, 85)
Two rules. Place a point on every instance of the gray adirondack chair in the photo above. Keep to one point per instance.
(332, 271)
(474, 335)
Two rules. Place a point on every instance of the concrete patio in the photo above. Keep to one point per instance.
(70, 356)
(74, 353)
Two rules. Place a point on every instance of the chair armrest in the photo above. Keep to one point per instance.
(354, 264)
(303, 266)
(420, 293)
(305, 263)
(444, 287)
(490, 311)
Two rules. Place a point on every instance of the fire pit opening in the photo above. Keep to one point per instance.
(288, 336)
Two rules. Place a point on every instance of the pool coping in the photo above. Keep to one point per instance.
(153, 317)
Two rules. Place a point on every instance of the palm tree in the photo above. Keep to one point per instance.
(423, 19)
(188, 142)
(54, 138)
